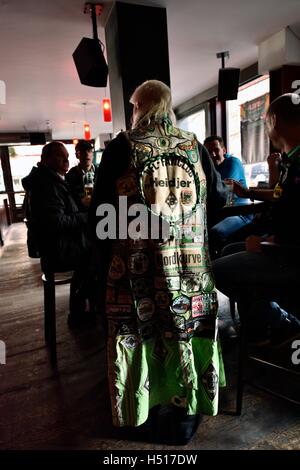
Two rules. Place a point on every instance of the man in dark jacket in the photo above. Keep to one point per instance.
(60, 229)
(81, 177)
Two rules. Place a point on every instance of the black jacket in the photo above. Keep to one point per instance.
(60, 229)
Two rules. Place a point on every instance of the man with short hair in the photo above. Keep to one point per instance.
(231, 168)
(83, 175)
(257, 275)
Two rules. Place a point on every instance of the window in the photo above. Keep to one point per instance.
(196, 123)
(247, 137)
(23, 157)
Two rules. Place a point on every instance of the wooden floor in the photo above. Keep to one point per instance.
(69, 408)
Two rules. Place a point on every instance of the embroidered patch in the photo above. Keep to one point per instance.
(145, 309)
(210, 381)
(117, 268)
(138, 263)
(186, 197)
(162, 299)
(181, 304)
(130, 342)
(190, 284)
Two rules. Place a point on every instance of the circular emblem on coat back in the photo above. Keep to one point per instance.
(169, 186)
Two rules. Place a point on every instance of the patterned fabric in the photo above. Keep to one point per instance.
(161, 300)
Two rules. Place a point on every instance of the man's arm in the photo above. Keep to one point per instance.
(53, 213)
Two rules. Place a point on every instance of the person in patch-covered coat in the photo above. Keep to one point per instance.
(164, 361)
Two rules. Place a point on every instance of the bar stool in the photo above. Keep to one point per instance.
(50, 281)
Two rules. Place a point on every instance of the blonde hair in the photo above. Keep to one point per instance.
(154, 102)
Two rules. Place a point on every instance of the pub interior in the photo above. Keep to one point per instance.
(225, 63)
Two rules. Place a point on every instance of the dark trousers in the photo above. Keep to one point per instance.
(166, 424)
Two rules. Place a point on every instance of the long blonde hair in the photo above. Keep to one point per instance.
(154, 101)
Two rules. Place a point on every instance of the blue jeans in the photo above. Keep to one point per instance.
(221, 233)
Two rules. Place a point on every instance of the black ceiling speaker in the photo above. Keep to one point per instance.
(229, 79)
(90, 63)
(88, 56)
(37, 138)
(228, 85)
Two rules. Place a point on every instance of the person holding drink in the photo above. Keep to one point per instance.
(81, 178)
(230, 168)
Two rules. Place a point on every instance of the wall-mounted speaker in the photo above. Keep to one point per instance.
(228, 85)
(90, 63)
(37, 138)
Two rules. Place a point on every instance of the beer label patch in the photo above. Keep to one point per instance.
(172, 260)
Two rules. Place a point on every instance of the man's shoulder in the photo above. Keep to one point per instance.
(73, 172)
(232, 159)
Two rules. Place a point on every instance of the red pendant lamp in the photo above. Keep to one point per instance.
(106, 107)
(87, 131)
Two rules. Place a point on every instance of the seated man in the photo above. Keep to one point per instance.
(258, 274)
(81, 177)
(60, 229)
(229, 167)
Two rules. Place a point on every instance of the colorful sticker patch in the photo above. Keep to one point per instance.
(197, 306)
